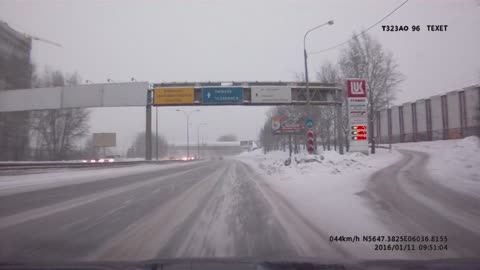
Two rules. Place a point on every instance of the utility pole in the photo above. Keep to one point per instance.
(188, 127)
(198, 139)
(388, 135)
(305, 60)
(371, 126)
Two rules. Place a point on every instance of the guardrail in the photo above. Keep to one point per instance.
(55, 165)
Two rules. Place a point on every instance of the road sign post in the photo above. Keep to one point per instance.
(309, 123)
(310, 146)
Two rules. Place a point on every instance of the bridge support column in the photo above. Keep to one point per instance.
(148, 127)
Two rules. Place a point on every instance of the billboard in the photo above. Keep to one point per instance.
(104, 139)
(284, 125)
(246, 144)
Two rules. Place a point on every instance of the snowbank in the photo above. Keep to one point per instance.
(453, 163)
(327, 191)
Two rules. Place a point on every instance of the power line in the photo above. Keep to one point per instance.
(364, 31)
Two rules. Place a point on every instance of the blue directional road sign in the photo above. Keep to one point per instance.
(309, 123)
(222, 95)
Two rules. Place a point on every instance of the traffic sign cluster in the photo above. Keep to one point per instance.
(222, 95)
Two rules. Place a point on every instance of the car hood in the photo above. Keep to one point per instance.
(241, 264)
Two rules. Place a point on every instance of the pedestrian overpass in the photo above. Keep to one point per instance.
(143, 94)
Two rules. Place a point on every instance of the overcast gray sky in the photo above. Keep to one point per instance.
(165, 41)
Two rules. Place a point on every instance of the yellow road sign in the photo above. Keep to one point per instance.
(173, 95)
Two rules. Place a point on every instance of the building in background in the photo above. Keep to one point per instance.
(205, 149)
(453, 115)
(15, 73)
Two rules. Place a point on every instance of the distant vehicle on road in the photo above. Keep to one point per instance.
(106, 159)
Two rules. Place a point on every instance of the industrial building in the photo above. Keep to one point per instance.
(454, 115)
(15, 73)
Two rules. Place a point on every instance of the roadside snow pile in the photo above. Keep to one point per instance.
(323, 190)
(328, 162)
(454, 163)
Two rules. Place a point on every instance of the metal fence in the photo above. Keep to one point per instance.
(453, 115)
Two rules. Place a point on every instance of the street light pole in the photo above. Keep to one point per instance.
(188, 133)
(198, 139)
(188, 137)
(388, 128)
(305, 59)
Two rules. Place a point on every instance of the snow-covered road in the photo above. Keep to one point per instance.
(207, 209)
(410, 202)
(247, 206)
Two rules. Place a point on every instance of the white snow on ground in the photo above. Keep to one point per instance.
(326, 192)
(453, 163)
(11, 184)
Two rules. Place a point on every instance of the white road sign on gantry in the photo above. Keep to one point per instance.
(271, 94)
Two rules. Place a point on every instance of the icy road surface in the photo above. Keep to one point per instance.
(209, 209)
(248, 206)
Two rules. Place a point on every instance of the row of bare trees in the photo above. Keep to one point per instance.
(57, 133)
(364, 57)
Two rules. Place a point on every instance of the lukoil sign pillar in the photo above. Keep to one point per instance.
(357, 115)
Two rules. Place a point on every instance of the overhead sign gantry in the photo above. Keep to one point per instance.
(243, 93)
(170, 94)
(240, 93)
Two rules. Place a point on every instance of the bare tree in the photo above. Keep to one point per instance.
(58, 132)
(366, 58)
(137, 149)
(89, 149)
